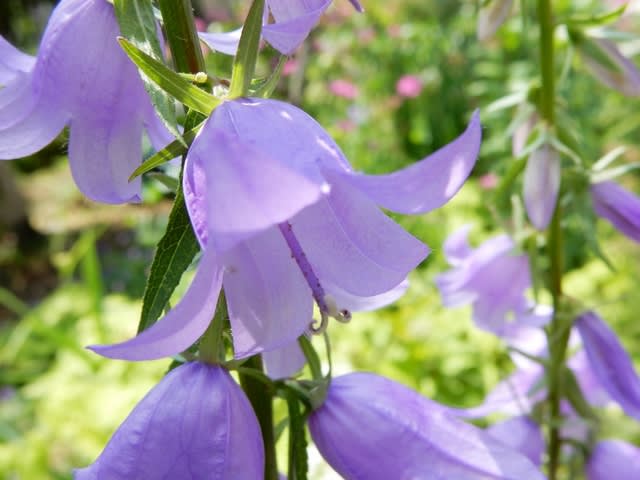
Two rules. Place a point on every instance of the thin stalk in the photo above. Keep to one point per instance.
(557, 333)
(260, 397)
(181, 35)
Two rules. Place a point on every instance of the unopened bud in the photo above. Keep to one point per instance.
(541, 185)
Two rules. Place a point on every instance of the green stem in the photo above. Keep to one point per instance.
(260, 397)
(557, 333)
(212, 342)
(181, 35)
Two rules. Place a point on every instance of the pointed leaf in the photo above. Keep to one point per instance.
(168, 153)
(244, 63)
(174, 254)
(170, 81)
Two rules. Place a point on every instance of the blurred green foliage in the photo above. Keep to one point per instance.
(59, 403)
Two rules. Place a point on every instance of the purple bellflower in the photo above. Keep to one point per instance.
(372, 428)
(80, 78)
(613, 460)
(293, 20)
(492, 278)
(619, 206)
(284, 221)
(196, 423)
(542, 185)
(522, 434)
(610, 66)
(611, 365)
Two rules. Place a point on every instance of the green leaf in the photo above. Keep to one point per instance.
(596, 20)
(168, 153)
(170, 81)
(138, 24)
(244, 64)
(298, 462)
(574, 394)
(174, 254)
(615, 172)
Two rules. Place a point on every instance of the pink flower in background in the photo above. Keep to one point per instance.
(290, 67)
(409, 86)
(488, 181)
(344, 89)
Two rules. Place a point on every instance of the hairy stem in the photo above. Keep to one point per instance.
(557, 333)
(181, 35)
(261, 400)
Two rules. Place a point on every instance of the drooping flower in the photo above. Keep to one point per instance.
(196, 423)
(611, 365)
(619, 206)
(293, 20)
(284, 221)
(80, 78)
(613, 460)
(490, 277)
(372, 428)
(542, 185)
(607, 64)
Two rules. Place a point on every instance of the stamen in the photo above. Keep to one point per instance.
(326, 303)
(305, 267)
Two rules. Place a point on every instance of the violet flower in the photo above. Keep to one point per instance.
(610, 364)
(196, 423)
(490, 277)
(13, 62)
(293, 20)
(520, 433)
(619, 206)
(284, 221)
(542, 185)
(372, 428)
(613, 460)
(80, 78)
(608, 65)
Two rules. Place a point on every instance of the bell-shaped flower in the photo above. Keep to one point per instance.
(492, 14)
(292, 22)
(372, 428)
(80, 78)
(613, 460)
(542, 185)
(619, 206)
(284, 221)
(520, 433)
(196, 423)
(492, 278)
(610, 364)
(607, 64)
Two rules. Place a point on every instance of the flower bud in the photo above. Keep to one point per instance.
(541, 185)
